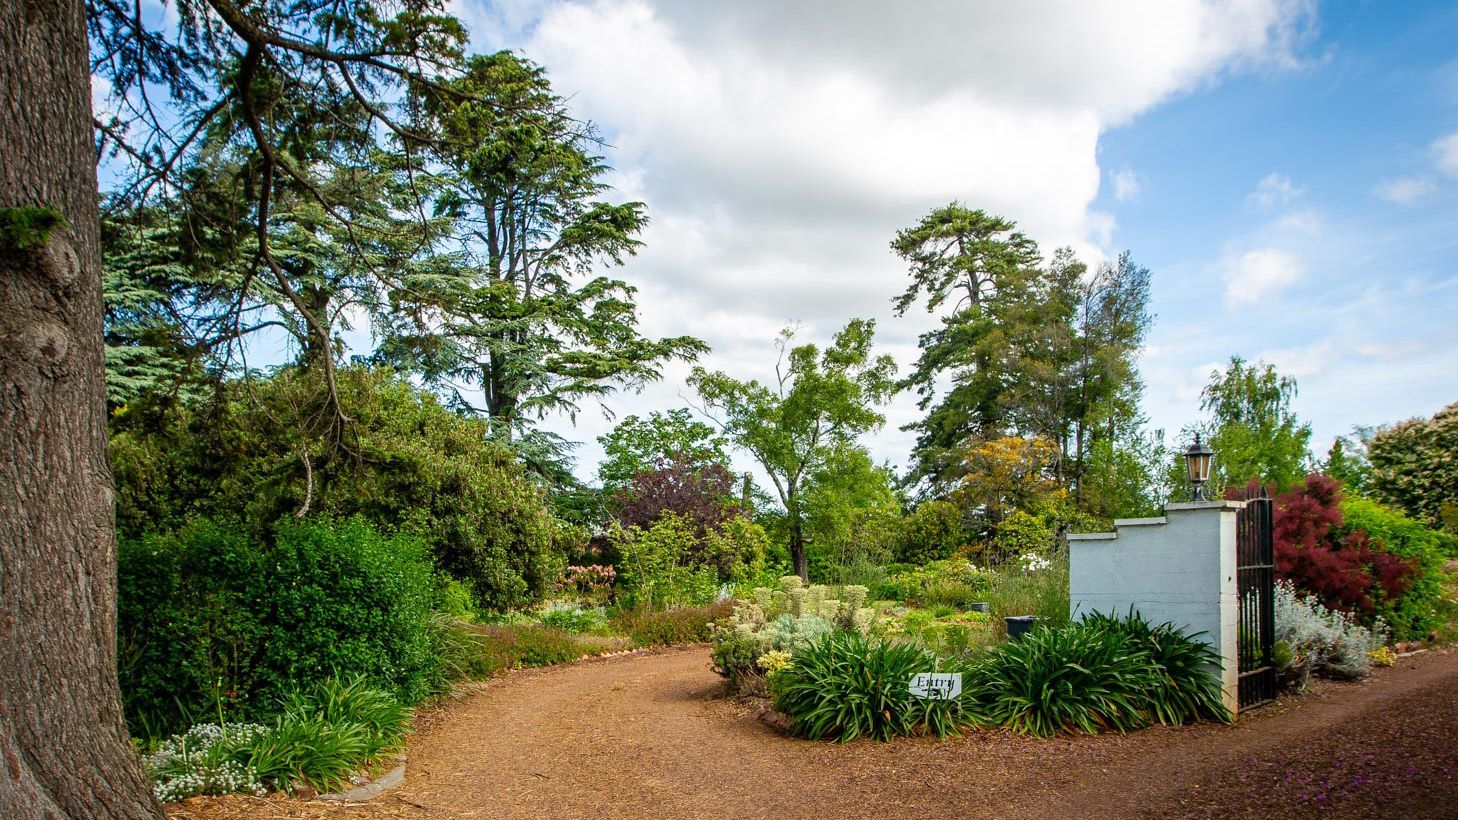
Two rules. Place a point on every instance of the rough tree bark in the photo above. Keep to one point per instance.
(64, 750)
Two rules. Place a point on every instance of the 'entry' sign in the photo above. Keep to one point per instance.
(936, 685)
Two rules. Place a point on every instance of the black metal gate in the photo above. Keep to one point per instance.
(1255, 579)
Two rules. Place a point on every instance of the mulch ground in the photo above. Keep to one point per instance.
(652, 735)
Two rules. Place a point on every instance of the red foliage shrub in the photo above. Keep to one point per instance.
(702, 494)
(1345, 569)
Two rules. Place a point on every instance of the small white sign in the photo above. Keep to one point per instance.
(936, 685)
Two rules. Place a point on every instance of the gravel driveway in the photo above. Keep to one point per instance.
(651, 735)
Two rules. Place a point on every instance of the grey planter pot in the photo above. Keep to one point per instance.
(1019, 625)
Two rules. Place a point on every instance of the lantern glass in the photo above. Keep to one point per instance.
(1199, 467)
(1197, 460)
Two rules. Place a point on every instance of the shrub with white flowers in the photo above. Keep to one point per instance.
(1033, 562)
(206, 760)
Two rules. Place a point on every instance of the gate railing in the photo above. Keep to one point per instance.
(1255, 594)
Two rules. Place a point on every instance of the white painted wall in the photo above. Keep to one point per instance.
(1179, 568)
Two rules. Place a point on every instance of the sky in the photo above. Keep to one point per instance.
(1287, 170)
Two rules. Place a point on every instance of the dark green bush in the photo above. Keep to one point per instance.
(846, 686)
(1096, 675)
(932, 532)
(403, 463)
(211, 621)
(672, 627)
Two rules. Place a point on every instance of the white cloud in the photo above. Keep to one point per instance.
(1259, 274)
(1273, 191)
(1405, 190)
(1306, 222)
(101, 103)
(1127, 185)
(1447, 151)
(1303, 362)
(780, 146)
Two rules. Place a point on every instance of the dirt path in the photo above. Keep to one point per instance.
(652, 736)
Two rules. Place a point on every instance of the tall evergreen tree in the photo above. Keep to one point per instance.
(524, 316)
(1028, 348)
(974, 263)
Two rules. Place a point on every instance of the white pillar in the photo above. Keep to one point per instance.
(1179, 568)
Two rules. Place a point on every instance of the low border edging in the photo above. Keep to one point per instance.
(374, 788)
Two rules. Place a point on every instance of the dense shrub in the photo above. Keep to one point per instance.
(1095, 675)
(403, 462)
(211, 620)
(1413, 469)
(847, 686)
(1414, 613)
(954, 582)
(657, 567)
(932, 532)
(1357, 556)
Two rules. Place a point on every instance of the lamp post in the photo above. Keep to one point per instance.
(1197, 459)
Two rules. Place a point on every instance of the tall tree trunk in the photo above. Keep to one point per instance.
(64, 750)
(798, 556)
(797, 551)
(316, 301)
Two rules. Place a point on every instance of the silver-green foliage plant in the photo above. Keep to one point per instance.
(787, 619)
(1320, 640)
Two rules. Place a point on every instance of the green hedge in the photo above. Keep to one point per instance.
(1415, 614)
(259, 452)
(210, 620)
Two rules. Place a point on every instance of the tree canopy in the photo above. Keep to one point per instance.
(1025, 347)
(820, 399)
(1253, 428)
(1414, 468)
(520, 312)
